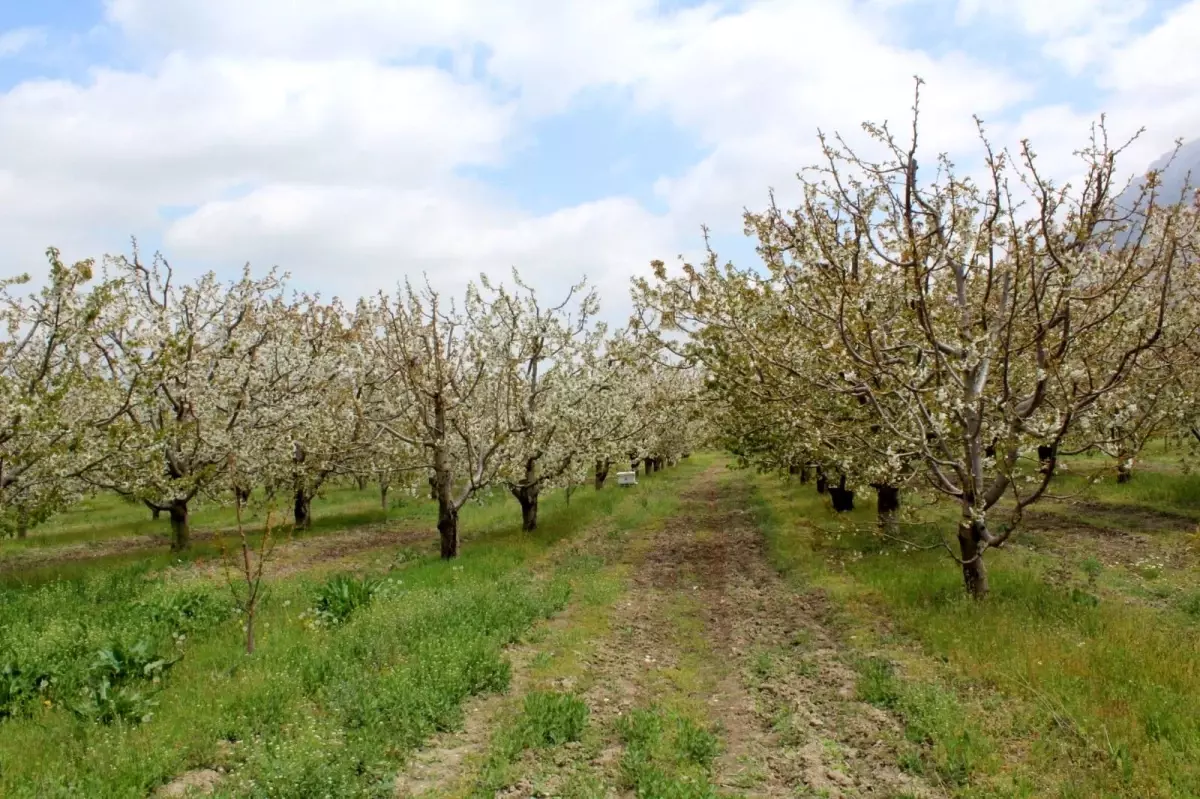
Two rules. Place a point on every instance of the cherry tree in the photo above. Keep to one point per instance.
(316, 367)
(977, 322)
(450, 393)
(186, 386)
(49, 422)
(561, 380)
(765, 376)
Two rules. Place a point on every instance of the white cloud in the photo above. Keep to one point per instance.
(757, 86)
(18, 40)
(355, 240)
(306, 134)
(1077, 33)
(195, 125)
(549, 49)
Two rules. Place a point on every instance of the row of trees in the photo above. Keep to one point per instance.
(130, 381)
(920, 329)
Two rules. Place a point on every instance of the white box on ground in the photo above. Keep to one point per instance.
(626, 478)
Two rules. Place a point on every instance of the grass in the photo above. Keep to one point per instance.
(105, 517)
(1079, 676)
(667, 755)
(1064, 682)
(321, 709)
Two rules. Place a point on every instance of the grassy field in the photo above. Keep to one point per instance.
(1078, 677)
(709, 633)
(121, 678)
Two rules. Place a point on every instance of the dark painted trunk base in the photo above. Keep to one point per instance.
(180, 533)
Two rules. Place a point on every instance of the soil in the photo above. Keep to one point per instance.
(702, 607)
(200, 782)
(1115, 536)
(832, 745)
(291, 556)
(330, 550)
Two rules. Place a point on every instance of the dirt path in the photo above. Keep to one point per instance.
(291, 554)
(707, 629)
(777, 683)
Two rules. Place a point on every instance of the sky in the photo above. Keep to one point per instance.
(357, 143)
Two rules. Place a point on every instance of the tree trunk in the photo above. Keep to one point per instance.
(843, 498)
(601, 473)
(383, 492)
(361, 481)
(822, 481)
(649, 466)
(887, 506)
(974, 574)
(805, 474)
(302, 517)
(155, 512)
(180, 532)
(793, 469)
(22, 529)
(1124, 468)
(448, 529)
(528, 497)
(1046, 457)
(250, 630)
(433, 488)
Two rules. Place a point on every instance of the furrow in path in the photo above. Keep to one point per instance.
(709, 620)
(707, 629)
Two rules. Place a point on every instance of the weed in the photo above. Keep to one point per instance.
(552, 718)
(661, 766)
(877, 683)
(695, 743)
(1092, 568)
(763, 665)
(1190, 604)
(341, 596)
(112, 692)
(326, 713)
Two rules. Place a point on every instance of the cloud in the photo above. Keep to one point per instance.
(547, 49)
(18, 40)
(758, 93)
(354, 240)
(333, 139)
(1076, 33)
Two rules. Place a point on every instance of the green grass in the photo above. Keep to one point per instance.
(1068, 687)
(667, 755)
(320, 709)
(104, 517)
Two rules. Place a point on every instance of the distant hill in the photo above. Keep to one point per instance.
(1183, 172)
(1175, 176)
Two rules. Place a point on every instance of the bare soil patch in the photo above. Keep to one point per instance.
(788, 704)
(1115, 544)
(796, 729)
(708, 623)
(291, 556)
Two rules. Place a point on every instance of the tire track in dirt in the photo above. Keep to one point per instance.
(710, 557)
(446, 764)
(702, 607)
